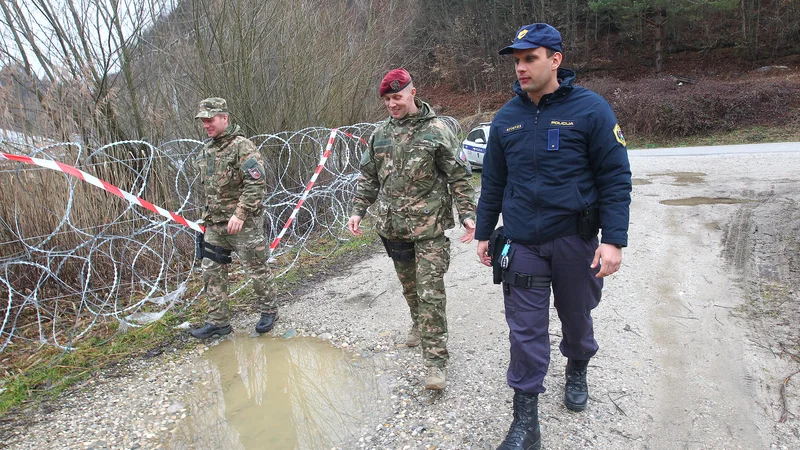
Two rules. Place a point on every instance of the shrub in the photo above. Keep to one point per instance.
(666, 107)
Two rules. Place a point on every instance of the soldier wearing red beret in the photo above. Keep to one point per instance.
(412, 174)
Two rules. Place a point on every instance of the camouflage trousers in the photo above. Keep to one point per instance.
(251, 246)
(423, 287)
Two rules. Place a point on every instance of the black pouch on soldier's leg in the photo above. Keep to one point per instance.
(198, 241)
(399, 250)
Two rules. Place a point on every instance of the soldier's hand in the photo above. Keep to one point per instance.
(235, 224)
(483, 253)
(353, 224)
(611, 257)
(469, 224)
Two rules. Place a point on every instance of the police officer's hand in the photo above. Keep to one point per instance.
(353, 224)
(235, 224)
(483, 253)
(469, 224)
(611, 257)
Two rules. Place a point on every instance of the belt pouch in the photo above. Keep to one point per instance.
(198, 241)
(399, 250)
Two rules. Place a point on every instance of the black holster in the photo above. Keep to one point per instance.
(399, 250)
(198, 245)
(213, 252)
(589, 223)
(496, 242)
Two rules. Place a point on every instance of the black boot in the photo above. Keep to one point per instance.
(576, 391)
(208, 330)
(524, 433)
(266, 322)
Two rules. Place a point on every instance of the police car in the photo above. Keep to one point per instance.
(474, 145)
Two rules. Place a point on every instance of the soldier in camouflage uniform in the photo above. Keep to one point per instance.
(412, 172)
(232, 175)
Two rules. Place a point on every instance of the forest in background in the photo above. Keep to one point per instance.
(100, 71)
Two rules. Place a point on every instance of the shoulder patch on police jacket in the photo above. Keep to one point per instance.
(618, 135)
(253, 168)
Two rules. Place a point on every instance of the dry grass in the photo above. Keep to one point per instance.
(664, 108)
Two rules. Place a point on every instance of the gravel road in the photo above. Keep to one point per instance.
(697, 332)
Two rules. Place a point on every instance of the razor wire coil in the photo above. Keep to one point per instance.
(72, 255)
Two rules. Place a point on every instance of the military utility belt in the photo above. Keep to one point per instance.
(213, 252)
(399, 250)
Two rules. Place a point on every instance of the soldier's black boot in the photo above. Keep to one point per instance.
(208, 330)
(524, 433)
(576, 391)
(266, 322)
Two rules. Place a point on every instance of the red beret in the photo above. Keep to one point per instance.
(395, 81)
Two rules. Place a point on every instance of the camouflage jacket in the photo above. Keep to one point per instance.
(412, 173)
(232, 175)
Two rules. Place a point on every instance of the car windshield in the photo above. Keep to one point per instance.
(475, 134)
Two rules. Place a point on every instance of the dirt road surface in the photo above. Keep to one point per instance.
(698, 332)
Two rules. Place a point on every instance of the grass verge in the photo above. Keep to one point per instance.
(32, 374)
(754, 135)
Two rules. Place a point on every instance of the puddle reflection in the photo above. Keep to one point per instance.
(269, 393)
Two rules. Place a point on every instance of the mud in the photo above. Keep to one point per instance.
(695, 201)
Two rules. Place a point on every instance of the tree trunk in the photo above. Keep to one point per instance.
(125, 62)
(659, 31)
(658, 22)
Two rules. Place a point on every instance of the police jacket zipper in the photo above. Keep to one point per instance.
(536, 172)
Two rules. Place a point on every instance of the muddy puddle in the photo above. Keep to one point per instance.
(274, 393)
(682, 178)
(695, 201)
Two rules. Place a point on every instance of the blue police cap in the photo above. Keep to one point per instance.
(533, 36)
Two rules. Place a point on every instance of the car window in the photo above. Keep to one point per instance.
(475, 134)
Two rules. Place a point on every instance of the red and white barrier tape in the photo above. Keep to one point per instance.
(355, 137)
(322, 161)
(91, 179)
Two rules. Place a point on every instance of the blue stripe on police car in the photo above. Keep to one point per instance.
(474, 148)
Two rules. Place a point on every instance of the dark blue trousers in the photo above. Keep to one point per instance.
(576, 292)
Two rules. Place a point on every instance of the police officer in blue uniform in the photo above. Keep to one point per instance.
(557, 168)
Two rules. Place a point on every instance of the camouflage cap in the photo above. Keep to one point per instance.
(210, 107)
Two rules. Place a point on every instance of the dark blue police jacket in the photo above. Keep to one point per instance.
(546, 164)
